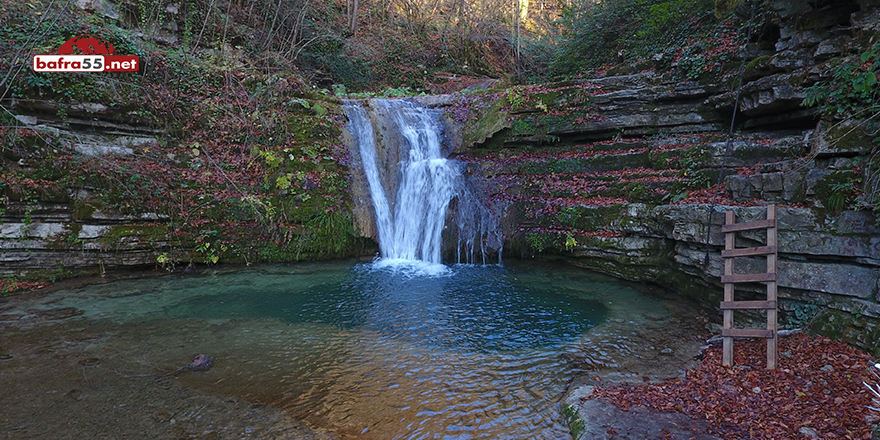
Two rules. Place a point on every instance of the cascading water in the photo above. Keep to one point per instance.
(421, 182)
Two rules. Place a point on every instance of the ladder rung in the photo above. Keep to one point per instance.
(746, 333)
(746, 252)
(748, 305)
(760, 224)
(748, 278)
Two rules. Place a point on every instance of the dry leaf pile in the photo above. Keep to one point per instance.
(817, 392)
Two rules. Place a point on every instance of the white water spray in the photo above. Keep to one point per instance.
(422, 183)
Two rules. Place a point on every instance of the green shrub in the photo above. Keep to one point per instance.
(599, 33)
(852, 90)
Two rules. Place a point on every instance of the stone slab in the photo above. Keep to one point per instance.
(602, 421)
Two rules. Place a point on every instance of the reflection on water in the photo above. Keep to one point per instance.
(375, 352)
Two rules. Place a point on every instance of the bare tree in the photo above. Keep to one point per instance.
(351, 9)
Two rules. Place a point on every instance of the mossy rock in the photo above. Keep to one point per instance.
(82, 210)
(848, 137)
(146, 233)
(575, 424)
(67, 240)
(758, 67)
(594, 218)
(481, 128)
(836, 191)
(856, 329)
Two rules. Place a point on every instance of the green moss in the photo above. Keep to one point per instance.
(589, 218)
(82, 210)
(525, 127)
(143, 233)
(598, 163)
(69, 239)
(849, 137)
(661, 160)
(836, 191)
(758, 67)
(854, 328)
(575, 424)
(635, 191)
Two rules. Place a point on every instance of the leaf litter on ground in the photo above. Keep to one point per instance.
(817, 391)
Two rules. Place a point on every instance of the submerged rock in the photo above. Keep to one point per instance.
(201, 362)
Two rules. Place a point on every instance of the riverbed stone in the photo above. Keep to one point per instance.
(57, 314)
(603, 420)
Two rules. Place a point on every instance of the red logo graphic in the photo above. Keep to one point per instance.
(86, 53)
(87, 45)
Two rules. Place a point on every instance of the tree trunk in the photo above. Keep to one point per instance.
(352, 26)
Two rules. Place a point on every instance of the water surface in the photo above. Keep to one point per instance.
(369, 350)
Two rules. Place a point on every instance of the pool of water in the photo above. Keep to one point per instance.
(368, 351)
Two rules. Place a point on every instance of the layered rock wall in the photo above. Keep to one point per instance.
(55, 232)
(617, 174)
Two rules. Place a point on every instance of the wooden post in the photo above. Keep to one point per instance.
(771, 290)
(729, 244)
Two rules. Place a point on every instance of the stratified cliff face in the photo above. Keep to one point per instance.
(139, 171)
(618, 173)
(246, 182)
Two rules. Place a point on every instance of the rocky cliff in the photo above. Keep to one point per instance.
(179, 163)
(618, 173)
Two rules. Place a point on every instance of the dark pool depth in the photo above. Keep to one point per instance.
(372, 351)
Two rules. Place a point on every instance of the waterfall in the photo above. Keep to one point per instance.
(412, 182)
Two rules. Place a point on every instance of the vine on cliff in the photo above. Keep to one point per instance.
(852, 94)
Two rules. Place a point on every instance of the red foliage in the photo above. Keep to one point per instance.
(818, 384)
(9, 286)
(569, 231)
(587, 119)
(15, 179)
(719, 47)
(748, 171)
(585, 184)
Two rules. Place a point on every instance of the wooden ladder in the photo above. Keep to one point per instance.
(729, 279)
